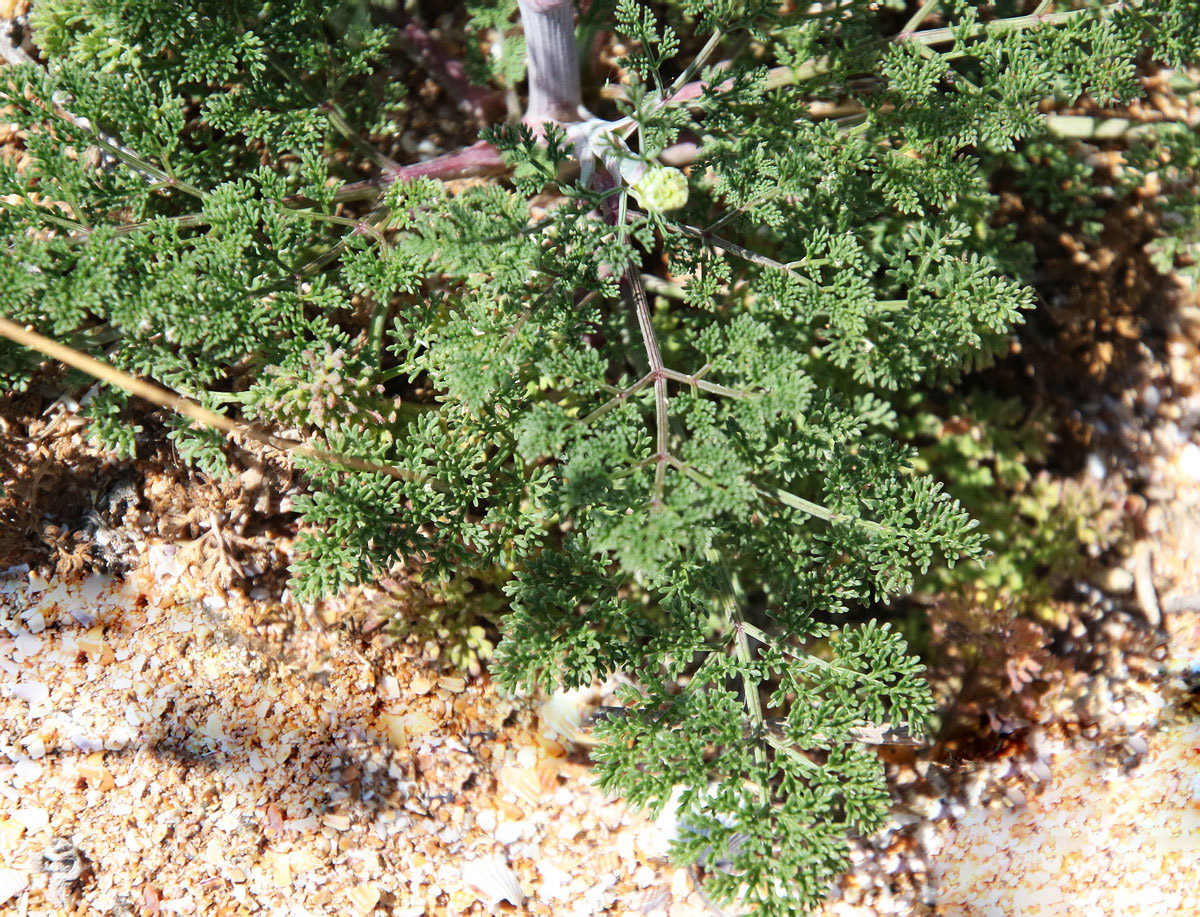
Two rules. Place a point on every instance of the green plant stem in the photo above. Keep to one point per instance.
(696, 380)
(809, 658)
(337, 119)
(369, 223)
(620, 398)
(919, 16)
(138, 164)
(374, 344)
(1015, 23)
(697, 62)
(741, 648)
(366, 226)
(779, 77)
(706, 386)
(778, 495)
(483, 159)
(183, 221)
(660, 287)
(745, 254)
(57, 219)
(658, 373)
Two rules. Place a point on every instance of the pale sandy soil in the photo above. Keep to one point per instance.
(164, 759)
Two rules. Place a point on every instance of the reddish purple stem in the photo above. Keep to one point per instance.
(480, 158)
(484, 104)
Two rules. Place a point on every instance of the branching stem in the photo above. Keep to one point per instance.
(658, 373)
(704, 385)
(778, 495)
(741, 649)
(483, 159)
(813, 660)
(617, 400)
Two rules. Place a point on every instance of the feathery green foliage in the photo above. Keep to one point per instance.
(683, 485)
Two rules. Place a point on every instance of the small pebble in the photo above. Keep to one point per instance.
(35, 747)
(28, 644)
(1115, 581)
(32, 819)
(421, 684)
(32, 692)
(510, 832)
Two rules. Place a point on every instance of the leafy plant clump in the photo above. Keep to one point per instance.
(640, 372)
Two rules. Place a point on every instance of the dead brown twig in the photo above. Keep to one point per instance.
(185, 406)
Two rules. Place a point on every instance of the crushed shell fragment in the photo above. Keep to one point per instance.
(12, 883)
(561, 714)
(363, 898)
(491, 878)
(524, 782)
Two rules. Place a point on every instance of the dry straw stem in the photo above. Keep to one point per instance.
(165, 398)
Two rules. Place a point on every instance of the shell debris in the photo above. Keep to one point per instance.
(12, 883)
(262, 773)
(562, 715)
(364, 898)
(492, 879)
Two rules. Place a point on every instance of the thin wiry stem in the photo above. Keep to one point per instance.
(733, 248)
(698, 61)
(704, 385)
(337, 118)
(658, 373)
(77, 228)
(740, 209)
(16, 55)
(778, 77)
(641, 305)
(617, 400)
(620, 396)
(920, 16)
(741, 648)
(778, 495)
(368, 226)
(185, 406)
(483, 159)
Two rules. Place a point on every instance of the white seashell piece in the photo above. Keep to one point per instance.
(32, 692)
(32, 819)
(494, 881)
(562, 714)
(12, 883)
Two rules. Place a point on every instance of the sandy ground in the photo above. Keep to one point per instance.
(163, 761)
(174, 746)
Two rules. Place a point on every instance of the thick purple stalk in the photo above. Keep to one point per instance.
(554, 92)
